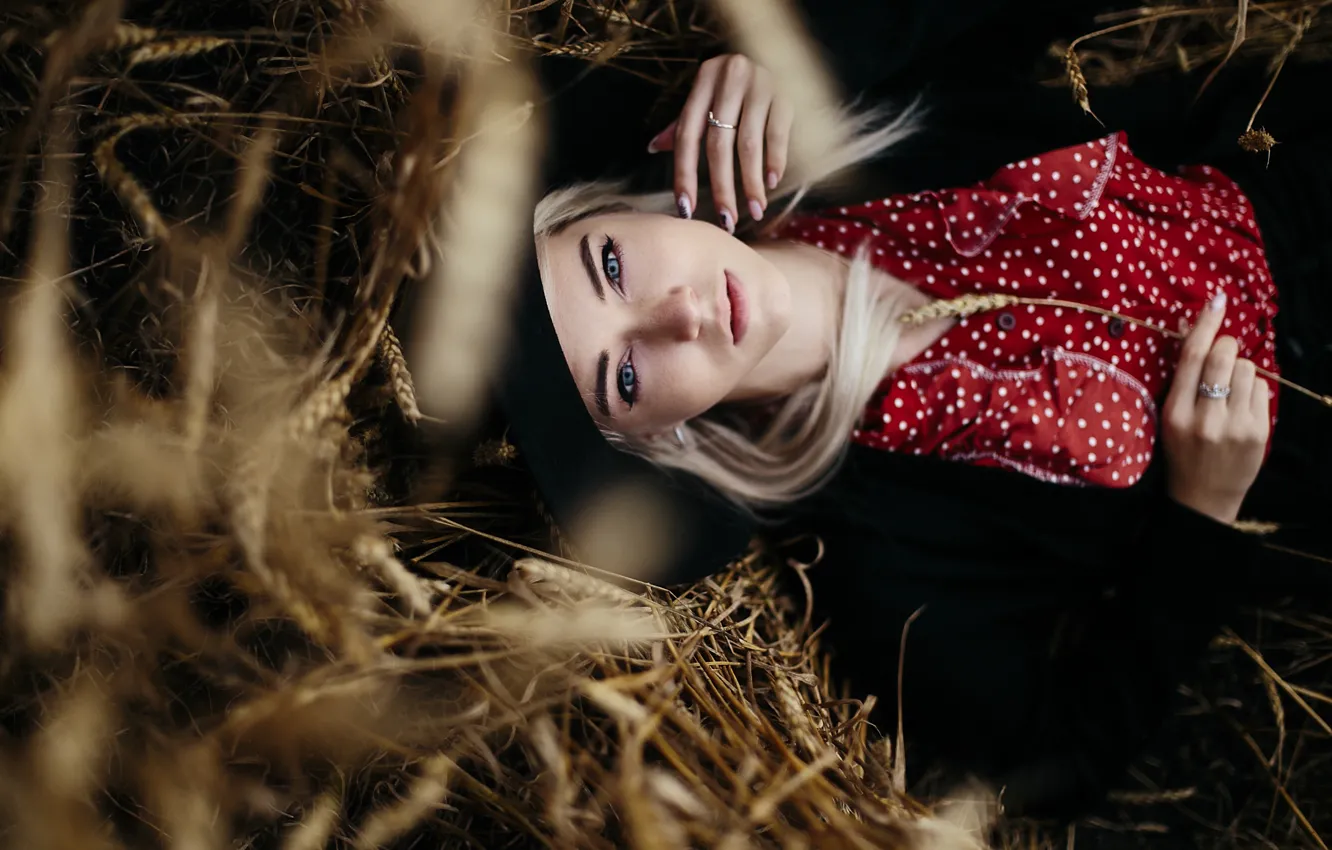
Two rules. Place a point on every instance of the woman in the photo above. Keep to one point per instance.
(986, 479)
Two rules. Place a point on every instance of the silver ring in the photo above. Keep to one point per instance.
(1207, 390)
(719, 124)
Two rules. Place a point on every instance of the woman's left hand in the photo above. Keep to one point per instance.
(1214, 445)
(740, 93)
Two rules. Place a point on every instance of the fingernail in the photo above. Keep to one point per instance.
(658, 140)
(1218, 303)
(683, 207)
(772, 179)
(756, 210)
(728, 221)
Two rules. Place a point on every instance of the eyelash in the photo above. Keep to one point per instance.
(610, 249)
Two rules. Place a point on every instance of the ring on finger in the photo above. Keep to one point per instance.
(721, 125)
(1207, 390)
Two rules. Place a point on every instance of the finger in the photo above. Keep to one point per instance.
(749, 147)
(727, 102)
(778, 142)
(665, 140)
(1260, 402)
(1219, 367)
(1193, 354)
(1241, 386)
(689, 128)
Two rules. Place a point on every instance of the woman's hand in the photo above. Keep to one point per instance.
(740, 93)
(1214, 446)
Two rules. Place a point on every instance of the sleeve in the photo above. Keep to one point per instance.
(1102, 703)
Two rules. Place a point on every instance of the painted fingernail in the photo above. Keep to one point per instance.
(1218, 302)
(728, 221)
(772, 179)
(683, 207)
(756, 210)
(658, 140)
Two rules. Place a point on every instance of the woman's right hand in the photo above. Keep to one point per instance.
(1214, 446)
(739, 92)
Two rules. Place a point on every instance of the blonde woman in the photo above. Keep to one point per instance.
(1021, 415)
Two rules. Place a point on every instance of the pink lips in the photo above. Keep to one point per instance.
(739, 312)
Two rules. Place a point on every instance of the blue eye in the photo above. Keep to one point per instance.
(627, 382)
(610, 263)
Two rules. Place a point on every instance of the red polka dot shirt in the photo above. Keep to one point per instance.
(1060, 394)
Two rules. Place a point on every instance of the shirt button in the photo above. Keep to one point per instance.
(1116, 328)
(1006, 321)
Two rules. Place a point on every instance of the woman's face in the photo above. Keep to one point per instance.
(660, 318)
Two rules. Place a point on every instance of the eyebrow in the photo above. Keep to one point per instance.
(603, 403)
(585, 249)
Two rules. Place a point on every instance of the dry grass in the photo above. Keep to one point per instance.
(240, 612)
(1193, 37)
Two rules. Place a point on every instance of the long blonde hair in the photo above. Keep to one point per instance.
(796, 449)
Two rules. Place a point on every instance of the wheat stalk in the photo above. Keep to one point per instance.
(973, 303)
(121, 35)
(1153, 798)
(123, 183)
(40, 413)
(327, 403)
(1078, 81)
(795, 715)
(176, 48)
(425, 793)
(400, 378)
(316, 828)
(960, 307)
(602, 50)
(577, 584)
(376, 552)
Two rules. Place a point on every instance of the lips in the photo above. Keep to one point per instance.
(738, 313)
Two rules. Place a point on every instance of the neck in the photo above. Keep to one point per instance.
(817, 280)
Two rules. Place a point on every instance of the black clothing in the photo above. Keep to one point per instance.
(1056, 621)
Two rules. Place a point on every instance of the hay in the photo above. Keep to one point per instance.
(229, 623)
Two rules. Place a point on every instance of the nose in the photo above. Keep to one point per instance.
(675, 316)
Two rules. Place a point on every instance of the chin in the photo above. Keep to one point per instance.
(774, 313)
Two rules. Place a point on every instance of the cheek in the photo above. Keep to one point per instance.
(692, 383)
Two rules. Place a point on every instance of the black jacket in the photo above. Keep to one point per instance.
(1054, 624)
